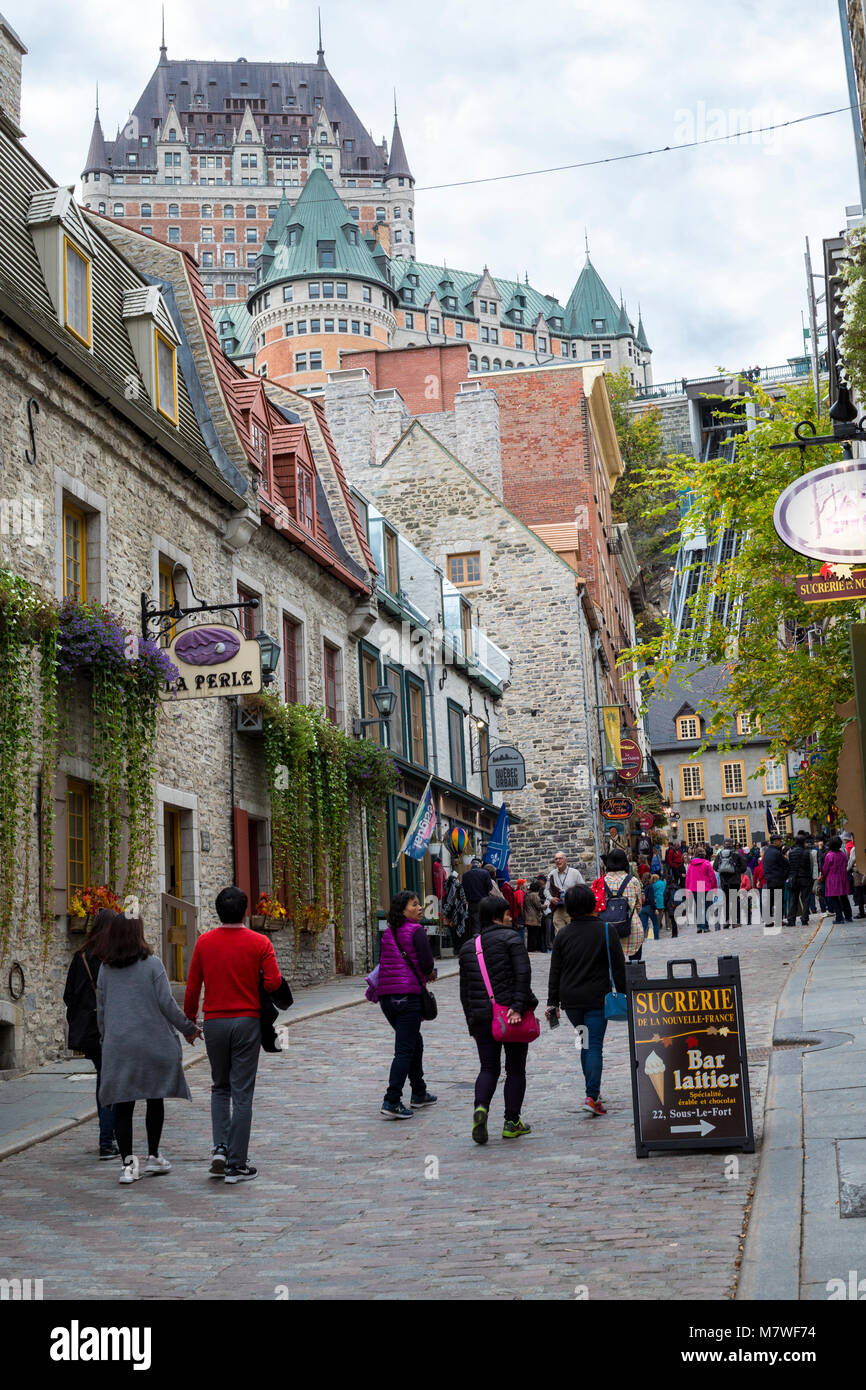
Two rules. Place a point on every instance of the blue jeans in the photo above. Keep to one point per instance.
(105, 1112)
(403, 1012)
(590, 1056)
(648, 913)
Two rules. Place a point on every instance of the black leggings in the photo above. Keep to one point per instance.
(490, 1057)
(153, 1121)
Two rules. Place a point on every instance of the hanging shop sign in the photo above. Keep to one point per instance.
(647, 821)
(812, 588)
(617, 808)
(213, 660)
(689, 1065)
(506, 770)
(632, 759)
(823, 514)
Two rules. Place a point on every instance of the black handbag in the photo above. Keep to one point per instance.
(270, 1006)
(429, 1007)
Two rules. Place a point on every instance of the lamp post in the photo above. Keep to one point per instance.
(385, 700)
(270, 655)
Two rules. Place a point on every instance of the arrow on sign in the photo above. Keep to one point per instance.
(702, 1129)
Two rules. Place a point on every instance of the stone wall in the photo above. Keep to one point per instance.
(673, 419)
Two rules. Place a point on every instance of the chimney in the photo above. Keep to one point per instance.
(11, 52)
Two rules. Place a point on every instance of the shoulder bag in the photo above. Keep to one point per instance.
(527, 1030)
(615, 1004)
(429, 1007)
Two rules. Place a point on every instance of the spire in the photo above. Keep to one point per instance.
(97, 158)
(641, 339)
(624, 325)
(321, 52)
(163, 53)
(586, 242)
(398, 164)
(97, 101)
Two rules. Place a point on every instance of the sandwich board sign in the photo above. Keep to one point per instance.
(689, 1066)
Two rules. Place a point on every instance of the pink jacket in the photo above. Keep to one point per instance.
(700, 876)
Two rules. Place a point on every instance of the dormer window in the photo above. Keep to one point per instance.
(172, 135)
(166, 376)
(306, 514)
(598, 325)
(293, 236)
(76, 293)
(248, 137)
(327, 253)
(413, 280)
(352, 235)
(153, 338)
(517, 315)
(408, 296)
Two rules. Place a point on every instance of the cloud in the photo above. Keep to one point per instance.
(709, 240)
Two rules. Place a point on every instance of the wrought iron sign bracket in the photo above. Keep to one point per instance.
(172, 615)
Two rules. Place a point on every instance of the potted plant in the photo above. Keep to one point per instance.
(314, 918)
(269, 914)
(87, 902)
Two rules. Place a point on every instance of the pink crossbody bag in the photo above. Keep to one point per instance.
(527, 1030)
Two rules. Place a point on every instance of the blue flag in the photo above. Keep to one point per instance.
(420, 832)
(498, 851)
(772, 828)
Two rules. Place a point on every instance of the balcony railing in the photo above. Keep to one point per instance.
(794, 370)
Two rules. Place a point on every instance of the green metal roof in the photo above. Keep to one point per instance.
(318, 216)
(590, 300)
(438, 280)
(641, 339)
(242, 325)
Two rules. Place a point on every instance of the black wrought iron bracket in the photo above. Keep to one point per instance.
(847, 429)
(173, 615)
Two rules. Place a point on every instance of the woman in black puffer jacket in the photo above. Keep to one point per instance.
(510, 972)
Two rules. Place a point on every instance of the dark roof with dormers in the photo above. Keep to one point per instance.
(589, 301)
(686, 693)
(288, 91)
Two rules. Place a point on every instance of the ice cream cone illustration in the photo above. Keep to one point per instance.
(655, 1070)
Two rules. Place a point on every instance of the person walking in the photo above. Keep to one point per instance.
(455, 911)
(138, 1024)
(619, 881)
(533, 912)
(659, 886)
(405, 965)
(701, 880)
(508, 968)
(836, 881)
(648, 912)
(729, 866)
(477, 884)
(674, 864)
(579, 980)
(79, 996)
(800, 866)
(777, 871)
(561, 877)
(859, 882)
(229, 961)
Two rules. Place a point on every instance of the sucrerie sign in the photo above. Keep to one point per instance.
(213, 660)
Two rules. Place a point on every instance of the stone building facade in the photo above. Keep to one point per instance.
(129, 474)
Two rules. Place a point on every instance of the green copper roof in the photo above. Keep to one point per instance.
(624, 326)
(242, 326)
(641, 334)
(591, 300)
(441, 281)
(319, 216)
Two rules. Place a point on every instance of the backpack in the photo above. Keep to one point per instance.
(726, 863)
(617, 908)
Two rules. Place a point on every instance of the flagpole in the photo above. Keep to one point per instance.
(416, 820)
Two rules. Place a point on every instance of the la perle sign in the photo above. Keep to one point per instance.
(213, 660)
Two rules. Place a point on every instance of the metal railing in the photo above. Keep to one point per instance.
(790, 371)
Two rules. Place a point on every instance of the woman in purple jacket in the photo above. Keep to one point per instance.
(405, 965)
(835, 876)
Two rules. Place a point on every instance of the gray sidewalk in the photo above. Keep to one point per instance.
(808, 1221)
(55, 1097)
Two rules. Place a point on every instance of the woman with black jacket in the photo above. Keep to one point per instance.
(579, 980)
(79, 996)
(507, 964)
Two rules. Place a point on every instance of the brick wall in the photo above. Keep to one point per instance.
(427, 378)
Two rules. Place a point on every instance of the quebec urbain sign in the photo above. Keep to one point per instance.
(213, 661)
(689, 1067)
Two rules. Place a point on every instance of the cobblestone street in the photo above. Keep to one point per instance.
(349, 1206)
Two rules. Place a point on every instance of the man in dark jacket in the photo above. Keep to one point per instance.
(776, 873)
(730, 866)
(510, 974)
(477, 884)
(580, 978)
(800, 866)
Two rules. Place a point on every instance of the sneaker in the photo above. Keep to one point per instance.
(479, 1124)
(392, 1110)
(515, 1128)
(245, 1174)
(107, 1151)
(218, 1162)
(130, 1171)
(594, 1105)
(427, 1099)
(157, 1164)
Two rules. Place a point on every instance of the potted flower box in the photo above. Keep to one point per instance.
(269, 914)
(87, 903)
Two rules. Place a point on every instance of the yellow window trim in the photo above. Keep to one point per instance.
(695, 718)
(734, 762)
(777, 791)
(88, 341)
(729, 833)
(699, 840)
(465, 555)
(83, 790)
(158, 338)
(693, 796)
(71, 511)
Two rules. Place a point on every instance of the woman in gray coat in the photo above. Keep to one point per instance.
(141, 1057)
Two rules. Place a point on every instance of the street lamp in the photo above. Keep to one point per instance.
(385, 700)
(270, 655)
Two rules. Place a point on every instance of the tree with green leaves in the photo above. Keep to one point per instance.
(788, 662)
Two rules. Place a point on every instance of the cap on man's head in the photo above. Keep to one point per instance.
(474, 863)
(773, 838)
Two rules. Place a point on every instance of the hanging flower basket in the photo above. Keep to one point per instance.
(269, 914)
(87, 903)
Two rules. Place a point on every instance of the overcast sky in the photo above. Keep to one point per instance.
(710, 241)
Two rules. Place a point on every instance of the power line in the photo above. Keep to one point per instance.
(636, 154)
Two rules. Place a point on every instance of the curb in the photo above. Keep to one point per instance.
(770, 1268)
(51, 1128)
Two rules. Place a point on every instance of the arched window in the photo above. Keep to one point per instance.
(380, 214)
(509, 364)
(473, 362)
(173, 210)
(497, 365)
(354, 213)
(250, 212)
(102, 207)
(206, 210)
(248, 137)
(485, 364)
(228, 210)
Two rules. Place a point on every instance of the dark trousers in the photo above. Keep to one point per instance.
(534, 941)
(591, 1056)
(799, 902)
(154, 1119)
(840, 906)
(473, 918)
(860, 900)
(490, 1057)
(104, 1112)
(233, 1046)
(403, 1012)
